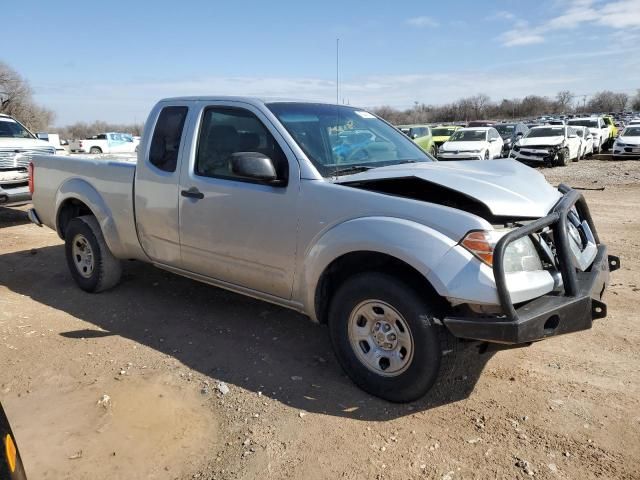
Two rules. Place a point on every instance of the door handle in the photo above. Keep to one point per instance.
(192, 193)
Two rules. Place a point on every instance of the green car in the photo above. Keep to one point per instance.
(441, 134)
(421, 135)
(613, 130)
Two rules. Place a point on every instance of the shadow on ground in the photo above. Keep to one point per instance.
(11, 217)
(241, 341)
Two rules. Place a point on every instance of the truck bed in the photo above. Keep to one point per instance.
(104, 183)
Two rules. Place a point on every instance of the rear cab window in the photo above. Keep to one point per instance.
(165, 143)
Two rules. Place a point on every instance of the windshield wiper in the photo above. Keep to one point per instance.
(351, 169)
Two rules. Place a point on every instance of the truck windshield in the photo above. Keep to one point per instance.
(9, 128)
(336, 137)
(584, 123)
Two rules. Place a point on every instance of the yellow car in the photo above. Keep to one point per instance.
(613, 130)
(421, 135)
(442, 133)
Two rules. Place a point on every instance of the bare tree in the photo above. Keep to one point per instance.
(564, 98)
(16, 100)
(604, 101)
(621, 100)
(635, 101)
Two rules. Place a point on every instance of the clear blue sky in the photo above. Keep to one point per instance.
(113, 60)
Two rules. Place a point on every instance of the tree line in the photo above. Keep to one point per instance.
(480, 107)
(16, 99)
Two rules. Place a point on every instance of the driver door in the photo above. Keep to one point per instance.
(232, 229)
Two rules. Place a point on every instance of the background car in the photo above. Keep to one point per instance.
(548, 144)
(421, 135)
(599, 130)
(442, 133)
(628, 143)
(472, 143)
(481, 123)
(586, 141)
(510, 133)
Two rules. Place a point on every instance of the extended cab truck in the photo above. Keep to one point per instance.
(402, 256)
(105, 143)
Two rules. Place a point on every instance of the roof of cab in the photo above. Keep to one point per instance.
(250, 100)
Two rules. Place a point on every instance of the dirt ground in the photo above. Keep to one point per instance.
(159, 345)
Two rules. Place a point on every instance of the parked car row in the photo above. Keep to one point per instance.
(548, 140)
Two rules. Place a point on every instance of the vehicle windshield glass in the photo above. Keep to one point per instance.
(469, 136)
(9, 128)
(631, 132)
(336, 137)
(443, 131)
(505, 130)
(585, 123)
(545, 132)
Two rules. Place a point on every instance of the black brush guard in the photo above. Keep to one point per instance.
(553, 313)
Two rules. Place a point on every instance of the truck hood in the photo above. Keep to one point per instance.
(538, 141)
(22, 143)
(506, 187)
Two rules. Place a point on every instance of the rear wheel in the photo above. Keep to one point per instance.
(385, 337)
(91, 263)
(95, 150)
(486, 155)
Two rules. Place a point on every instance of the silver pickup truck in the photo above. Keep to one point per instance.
(402, 256)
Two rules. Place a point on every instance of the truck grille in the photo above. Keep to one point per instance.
(20, 157)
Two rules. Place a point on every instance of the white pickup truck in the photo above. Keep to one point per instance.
(105, 143)
(17, 146)
(405, 258)
(600, 131)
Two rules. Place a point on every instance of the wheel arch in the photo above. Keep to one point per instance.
(77, 197)
(362, 261)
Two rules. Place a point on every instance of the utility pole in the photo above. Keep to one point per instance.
(337, 70)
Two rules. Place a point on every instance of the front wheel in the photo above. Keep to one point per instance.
(563, 157)
(95, 150)
(385, 337)
(486, 155)
(91, 263)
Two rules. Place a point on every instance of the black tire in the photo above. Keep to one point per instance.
(563, 157)
(105, 270)
(95, 150)
(434, 347)
(486, 155)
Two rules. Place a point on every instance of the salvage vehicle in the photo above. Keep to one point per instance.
(442, 133)
(17, 146)
(627, 145)
(404, 257)
(597, 127)
(477, 143)
(421, 135)
(586, 142)
(105, 143)
(552, 145)
(510, 133)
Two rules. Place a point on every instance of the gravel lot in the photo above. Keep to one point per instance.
(164, 349)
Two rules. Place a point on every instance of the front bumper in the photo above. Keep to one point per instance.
(549, 156)
(552, 314)
(459, 156)
(14, 196)
(631, 152)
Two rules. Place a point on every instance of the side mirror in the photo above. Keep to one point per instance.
(492, 140)
(254, 166)
(519, 134)
(414, 136)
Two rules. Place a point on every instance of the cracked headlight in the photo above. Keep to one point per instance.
(520, 256)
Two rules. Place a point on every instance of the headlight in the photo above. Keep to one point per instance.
(620, 144)
(520, 256)
(475, 151)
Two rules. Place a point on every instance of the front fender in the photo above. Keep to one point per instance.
(413, 243)
(79, 189)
